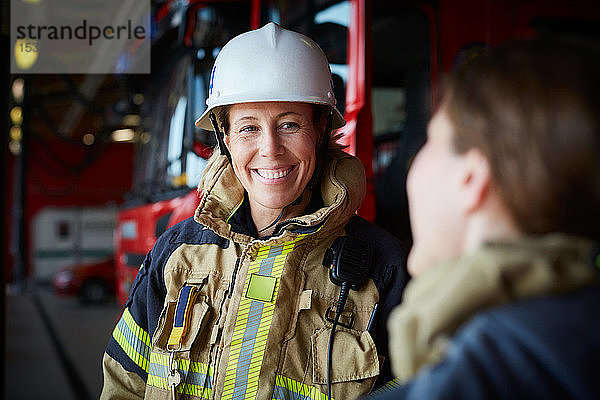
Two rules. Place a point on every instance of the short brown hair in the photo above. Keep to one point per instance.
(533, 109)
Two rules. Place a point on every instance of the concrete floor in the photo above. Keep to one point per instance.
(54, 345)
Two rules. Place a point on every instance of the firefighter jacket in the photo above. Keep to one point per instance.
(260, 321)
(513, 320)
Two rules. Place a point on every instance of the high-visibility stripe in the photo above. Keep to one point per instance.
(196, 377)
(388, 387)
(286, 388)
(134, 340)
(252, 325)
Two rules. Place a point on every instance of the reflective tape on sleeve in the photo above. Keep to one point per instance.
(134, 340)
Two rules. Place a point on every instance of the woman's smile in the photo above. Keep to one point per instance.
(272, 176)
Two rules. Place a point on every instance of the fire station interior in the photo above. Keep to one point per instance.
(96, 166)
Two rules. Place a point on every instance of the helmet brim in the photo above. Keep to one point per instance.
(204, 122)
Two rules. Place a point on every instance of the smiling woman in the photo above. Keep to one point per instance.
(237, 299)
(273, 151)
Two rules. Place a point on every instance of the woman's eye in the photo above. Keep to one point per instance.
(289, 127)
(248, 129)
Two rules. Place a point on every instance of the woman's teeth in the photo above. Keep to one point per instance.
(273, 174)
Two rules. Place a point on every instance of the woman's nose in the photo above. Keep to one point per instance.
(270, 144)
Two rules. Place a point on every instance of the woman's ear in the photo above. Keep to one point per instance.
(476, 180)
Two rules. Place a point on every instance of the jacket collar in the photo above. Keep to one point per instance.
(343, 188)
(436, 303)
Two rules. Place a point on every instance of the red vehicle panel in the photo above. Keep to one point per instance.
(137, 230)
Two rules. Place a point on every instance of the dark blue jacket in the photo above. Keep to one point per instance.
(541, 348)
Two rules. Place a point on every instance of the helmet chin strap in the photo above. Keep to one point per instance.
(221, 142)
(294, 203)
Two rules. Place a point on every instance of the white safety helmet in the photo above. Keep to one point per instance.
(270, 64)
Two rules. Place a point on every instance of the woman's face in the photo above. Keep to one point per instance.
(272, 146)
(435, 205)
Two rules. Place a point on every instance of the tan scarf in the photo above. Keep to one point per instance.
(438, 302)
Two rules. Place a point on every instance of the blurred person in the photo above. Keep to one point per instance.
(504, 202)
(235, 302)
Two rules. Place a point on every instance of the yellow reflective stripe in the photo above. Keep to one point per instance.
(140, 333)
(287, 388)
(157, 373)
(196, 377)
(134, 340)
(252, 325)
(175, 336)
(388, 387)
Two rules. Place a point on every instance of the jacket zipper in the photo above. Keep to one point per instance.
(233, 276)
(213, 353)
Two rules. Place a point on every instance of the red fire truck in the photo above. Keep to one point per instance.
(387, 59)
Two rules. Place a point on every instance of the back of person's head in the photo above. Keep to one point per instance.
(533, 109)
